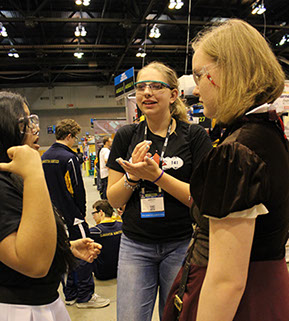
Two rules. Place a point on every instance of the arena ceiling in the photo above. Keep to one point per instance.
(41, 32)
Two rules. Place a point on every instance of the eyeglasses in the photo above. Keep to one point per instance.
(198, 76)
(75, 137)
(94, 212)
(140, 86)
(32, 122)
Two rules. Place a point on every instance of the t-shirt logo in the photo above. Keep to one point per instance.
(172, 162)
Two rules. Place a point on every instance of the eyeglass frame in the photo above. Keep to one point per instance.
(149, 85)
(73, 136)
(94, 212)
(34, 127)
(203, 71)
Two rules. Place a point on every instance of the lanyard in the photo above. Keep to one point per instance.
(166, 140)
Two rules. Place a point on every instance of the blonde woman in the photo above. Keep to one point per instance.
(150, 166)
(237, 268)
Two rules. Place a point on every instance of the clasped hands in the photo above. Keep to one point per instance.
(142, 166)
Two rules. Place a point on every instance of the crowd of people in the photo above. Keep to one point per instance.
(203, 228)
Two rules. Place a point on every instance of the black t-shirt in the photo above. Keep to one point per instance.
(186, 147)
(16, 288)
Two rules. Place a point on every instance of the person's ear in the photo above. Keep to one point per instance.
(174, 95)
(68, 136)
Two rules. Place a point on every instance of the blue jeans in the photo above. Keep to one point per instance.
(142, 269)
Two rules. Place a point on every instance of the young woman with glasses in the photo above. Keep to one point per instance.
(150, 166)
(235, 269)
(34, 249)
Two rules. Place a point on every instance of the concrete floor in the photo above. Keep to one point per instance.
(106, 289)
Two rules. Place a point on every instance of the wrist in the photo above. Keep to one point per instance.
(158, 177)
(129, 185)
(131, 179)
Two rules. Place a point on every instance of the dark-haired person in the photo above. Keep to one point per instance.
(66, 188)
(31, 262)
(237, 270)
(107, 232)
(80, 156)
(149, 169)
(103, 169)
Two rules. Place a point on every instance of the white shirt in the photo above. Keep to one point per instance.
(103, 157)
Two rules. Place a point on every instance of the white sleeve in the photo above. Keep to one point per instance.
(250, 213)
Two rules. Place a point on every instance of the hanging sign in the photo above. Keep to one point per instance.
(124, 83)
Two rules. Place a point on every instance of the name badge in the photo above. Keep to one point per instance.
(152, 205)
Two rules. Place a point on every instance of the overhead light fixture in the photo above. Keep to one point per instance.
(154, 32)
(175, 4)
(141, 53)
(13, 53)
(77, 32)
(3, 31)
(83, 32)
(78, 53)
(80, 31)
(84, 2)
(284, 39)
(258, 8)
(179, 4)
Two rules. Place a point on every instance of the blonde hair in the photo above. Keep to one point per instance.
(250, 74)
(177, 108)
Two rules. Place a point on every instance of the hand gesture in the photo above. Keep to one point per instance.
(148, 169)
(85, 249)
(140, 151)
(25, 161)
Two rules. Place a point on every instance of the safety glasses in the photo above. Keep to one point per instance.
(203, 72)
(31, 122)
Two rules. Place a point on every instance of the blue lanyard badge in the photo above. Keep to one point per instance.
(152, 204)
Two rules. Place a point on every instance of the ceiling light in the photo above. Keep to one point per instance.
(80, 31)
(78, 53)
(262, 9)
(179, 4)
(284, 39)
(154, 32)
(13, 53)
(86, 2)
(83, 32)
(77, 32)
(172, 4)
(176, 4)
(141, 53)
(3, 31)
(258, 8)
